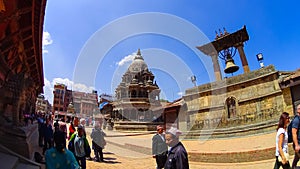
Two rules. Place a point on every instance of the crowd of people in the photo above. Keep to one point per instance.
(282, 140)
(167, 150)
(69, 149)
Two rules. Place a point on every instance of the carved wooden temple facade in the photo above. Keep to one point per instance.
(21, 68)
(137, 94)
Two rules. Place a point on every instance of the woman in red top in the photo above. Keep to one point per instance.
(71, 129)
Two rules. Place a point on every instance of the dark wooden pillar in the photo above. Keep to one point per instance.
(216, 66)
(244, 61)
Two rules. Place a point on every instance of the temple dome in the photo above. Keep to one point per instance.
(138, 63)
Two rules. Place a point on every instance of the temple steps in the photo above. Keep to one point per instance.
(238, 131)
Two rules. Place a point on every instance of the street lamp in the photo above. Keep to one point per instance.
(260, 59)
(193, 79)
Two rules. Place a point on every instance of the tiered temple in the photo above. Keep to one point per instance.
(137, 94)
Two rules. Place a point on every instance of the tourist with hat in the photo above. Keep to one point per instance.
(177, 155)
(159, 147)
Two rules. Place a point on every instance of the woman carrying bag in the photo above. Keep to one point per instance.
(98, 142)
(281, 153)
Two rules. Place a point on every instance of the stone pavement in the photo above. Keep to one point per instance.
(126, 148)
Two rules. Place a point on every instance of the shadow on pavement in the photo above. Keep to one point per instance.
(112, 162)
(109, 158)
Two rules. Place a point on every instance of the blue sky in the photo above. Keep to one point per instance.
(83, 48)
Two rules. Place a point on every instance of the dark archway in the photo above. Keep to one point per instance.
(231, 107)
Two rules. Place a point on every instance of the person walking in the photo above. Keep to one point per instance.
(80, 147)
(40, 130)
(282, 142)
(159, 147)
(71, 130)
(48, 135)
(98, 142)
(83, 123)
(177, 155)
(59, 157)
(296, 136)
(56, 125)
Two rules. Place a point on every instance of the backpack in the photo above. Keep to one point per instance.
(289, 130)
(71, 145)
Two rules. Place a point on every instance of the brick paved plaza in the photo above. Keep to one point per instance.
(119, 156)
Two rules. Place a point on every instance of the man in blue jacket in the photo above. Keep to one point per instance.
(177, 155)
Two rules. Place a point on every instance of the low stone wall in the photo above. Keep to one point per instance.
(233, 157)
(136, 126)
(245, 130)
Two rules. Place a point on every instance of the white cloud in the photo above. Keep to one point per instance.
(126, 59)
(49, 87)
(180, 94)
(46, 41)
(48, 91)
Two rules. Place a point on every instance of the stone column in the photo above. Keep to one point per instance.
(122, 113)
(17, 83)
(182, 120)
(137, 115)
(244, 61)
(216, 66)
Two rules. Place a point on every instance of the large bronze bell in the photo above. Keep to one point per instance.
(230, 66)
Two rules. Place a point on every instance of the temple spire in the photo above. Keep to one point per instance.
(138, 52)
(138, 55)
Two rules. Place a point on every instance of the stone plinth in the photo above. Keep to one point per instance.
(240, 100)
(21, 140)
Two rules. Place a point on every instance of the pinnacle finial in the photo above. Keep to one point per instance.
(225, 32)
(138, 52)
(221, 33)
(217, 35)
